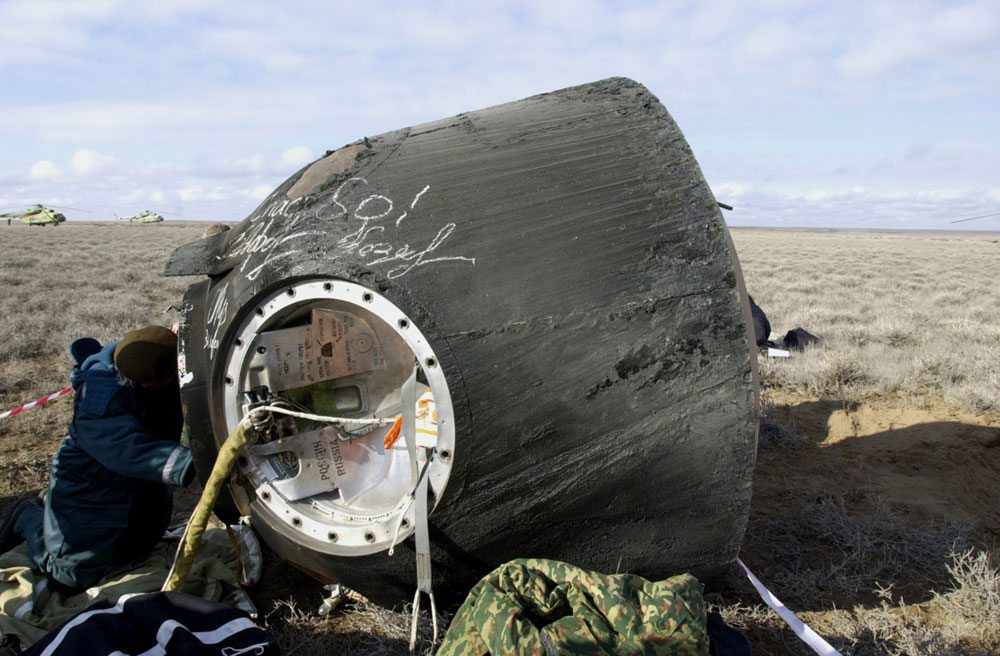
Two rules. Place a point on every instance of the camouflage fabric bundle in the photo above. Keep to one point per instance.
(545, 607)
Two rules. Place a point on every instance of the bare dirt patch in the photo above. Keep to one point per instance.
(929, 462)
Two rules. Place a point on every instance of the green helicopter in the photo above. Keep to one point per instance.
(37, 215)
(145, 217)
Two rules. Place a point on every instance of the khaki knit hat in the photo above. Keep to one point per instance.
(147, 355)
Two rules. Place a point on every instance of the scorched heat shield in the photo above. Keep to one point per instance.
(537, 310)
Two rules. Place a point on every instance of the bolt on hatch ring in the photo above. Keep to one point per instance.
(298, 484)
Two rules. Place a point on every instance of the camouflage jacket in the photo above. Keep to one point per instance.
(543, 608)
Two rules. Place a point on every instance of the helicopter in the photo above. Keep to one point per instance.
(145, 217)
(37, 215)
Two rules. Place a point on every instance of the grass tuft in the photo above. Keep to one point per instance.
(357, 628)
(973, 605)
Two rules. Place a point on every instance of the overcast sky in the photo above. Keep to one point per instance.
(817, 114)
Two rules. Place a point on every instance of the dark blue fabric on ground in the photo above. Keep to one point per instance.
(798, 339)
(761, 326)
(724, 640)
(171, 623)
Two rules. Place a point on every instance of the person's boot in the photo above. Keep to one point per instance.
(8, 536)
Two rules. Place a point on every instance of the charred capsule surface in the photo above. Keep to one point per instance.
(552, 279)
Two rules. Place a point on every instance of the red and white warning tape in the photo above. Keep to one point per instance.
(801, 629)
(11, 413)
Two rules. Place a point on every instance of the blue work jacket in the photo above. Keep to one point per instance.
(109, 497)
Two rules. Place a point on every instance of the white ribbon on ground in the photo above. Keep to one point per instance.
(801, 629)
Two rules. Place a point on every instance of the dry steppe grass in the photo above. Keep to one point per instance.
(901, 313)
(60, 283)
(875, 498)
(874, 510)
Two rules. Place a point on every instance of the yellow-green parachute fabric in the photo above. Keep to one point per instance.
(224, 462)
(544, 607)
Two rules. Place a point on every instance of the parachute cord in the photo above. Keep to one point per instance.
(373, 421)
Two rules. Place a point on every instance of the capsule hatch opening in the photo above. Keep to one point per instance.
(338, 350)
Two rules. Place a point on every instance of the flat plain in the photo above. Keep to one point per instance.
(876, 506)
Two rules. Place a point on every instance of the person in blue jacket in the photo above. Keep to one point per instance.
(109, 497)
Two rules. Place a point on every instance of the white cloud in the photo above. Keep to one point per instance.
(296, 157)
(972, 26)
(777, 41)
(729, 189)
(143, 196)
(158, 169)
(253, 164)
(790, 96)
(197, 193)
(935, 195)
(902, 35)
(261, 192)
(929, 210)
(44, 169)
(89, 162)
(22, 23)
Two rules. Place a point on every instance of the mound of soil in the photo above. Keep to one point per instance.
(929, 462)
